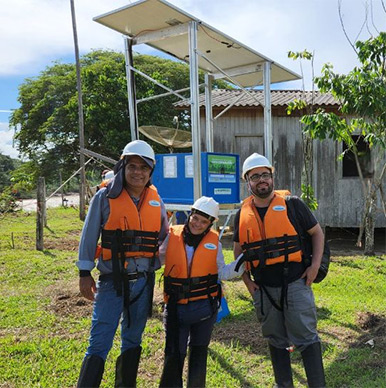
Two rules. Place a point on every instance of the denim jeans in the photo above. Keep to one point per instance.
(195, 325)
(108, 310)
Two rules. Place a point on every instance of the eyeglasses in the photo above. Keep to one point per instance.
(141, 168)
(264, 176)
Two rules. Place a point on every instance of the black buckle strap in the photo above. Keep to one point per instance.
(194, 280)
(253, 255)
(131, 240)
(270, 248)
(133, 276)
(190, 287)
(275, 241)
(130, 233)
(191, 294)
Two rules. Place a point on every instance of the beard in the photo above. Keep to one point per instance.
(262, 192)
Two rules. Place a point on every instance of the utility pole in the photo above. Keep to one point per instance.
(82, 188)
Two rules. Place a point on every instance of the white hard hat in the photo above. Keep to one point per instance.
(109, 175)
(208, 206)
(139, 148)
(256, 160)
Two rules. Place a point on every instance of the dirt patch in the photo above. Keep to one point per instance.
(61, 244)
(374, 327)
(66, 300)
(247, 333)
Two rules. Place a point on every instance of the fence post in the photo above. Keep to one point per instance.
(61, 187)
(40, 213)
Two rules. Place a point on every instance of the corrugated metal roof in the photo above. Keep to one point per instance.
(279, 98)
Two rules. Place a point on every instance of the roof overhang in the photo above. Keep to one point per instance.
(164, 27)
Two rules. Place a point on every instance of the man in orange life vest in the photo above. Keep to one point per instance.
(131, 220)
(280, 283)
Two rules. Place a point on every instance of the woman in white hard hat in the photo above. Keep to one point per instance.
(194, 266)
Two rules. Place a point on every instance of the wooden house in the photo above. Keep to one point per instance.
(240, 130)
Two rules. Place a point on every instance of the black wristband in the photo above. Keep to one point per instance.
(84, 273)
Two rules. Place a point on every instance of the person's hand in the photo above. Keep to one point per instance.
(87, 287)
(250, 284)
(310, 274)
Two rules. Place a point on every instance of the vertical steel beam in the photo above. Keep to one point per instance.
(195, 109)
(208, 112)
(133, 114)
(267, 112)
(82, 188)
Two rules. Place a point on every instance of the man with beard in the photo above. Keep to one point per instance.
(276, 276)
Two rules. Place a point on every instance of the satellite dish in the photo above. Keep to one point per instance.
(169, 137)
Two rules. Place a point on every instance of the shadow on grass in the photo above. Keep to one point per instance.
(46, 252)
(49, 229)
(229, 369)
(324, 313)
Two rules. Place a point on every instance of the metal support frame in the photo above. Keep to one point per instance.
(133, 114)
(235, 71)
(132, 68)
(192, 28)
(208, 112)
(267, 112)
(226, 75)
(168, 32)
(195, 109)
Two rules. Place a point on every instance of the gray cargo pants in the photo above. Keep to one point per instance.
(296, 324)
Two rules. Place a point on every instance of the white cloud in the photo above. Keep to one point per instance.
(35, 32)
(6, 139)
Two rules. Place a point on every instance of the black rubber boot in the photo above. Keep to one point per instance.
(313, 364)
(197, 366)
(91, 372)
(126, 368)
(172, 371)
(281, 363)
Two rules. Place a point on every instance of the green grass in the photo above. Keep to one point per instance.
(44, 322)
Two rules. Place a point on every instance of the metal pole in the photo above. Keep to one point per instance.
(133, 115)
(195, 109)
(267, 112)
(61, 187)
(209, 112)
(40, 213)
(82, 188)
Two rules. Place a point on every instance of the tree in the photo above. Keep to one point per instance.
(7, 165)
(46, 122)
(362, 98)
(306, 105)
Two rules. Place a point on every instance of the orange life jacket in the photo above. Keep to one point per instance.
(200, 280)
(268, 242)
(130, 230)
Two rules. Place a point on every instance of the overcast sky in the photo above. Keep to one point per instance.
(35, 33)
